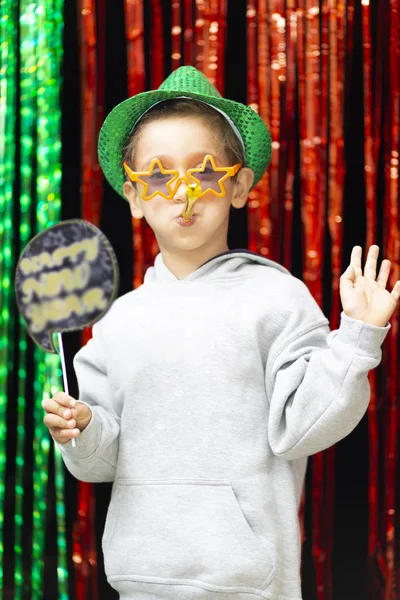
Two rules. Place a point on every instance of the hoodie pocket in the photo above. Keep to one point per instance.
(183, 529)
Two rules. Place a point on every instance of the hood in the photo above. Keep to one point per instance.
(229, 264)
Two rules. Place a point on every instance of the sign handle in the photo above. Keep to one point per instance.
(64, 372)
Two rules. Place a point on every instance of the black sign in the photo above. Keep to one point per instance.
(66, 279)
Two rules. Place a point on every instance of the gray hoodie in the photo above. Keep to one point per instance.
(208, 394)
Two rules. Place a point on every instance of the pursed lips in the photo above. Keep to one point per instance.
(180, 216)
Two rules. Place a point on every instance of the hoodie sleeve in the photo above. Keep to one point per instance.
(317, 382)
(94, 458)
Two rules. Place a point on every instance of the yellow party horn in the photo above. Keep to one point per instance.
(192, 194)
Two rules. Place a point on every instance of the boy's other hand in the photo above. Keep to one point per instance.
(364, 295)
(65, 417)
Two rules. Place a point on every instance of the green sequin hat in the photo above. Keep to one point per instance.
(186, 82)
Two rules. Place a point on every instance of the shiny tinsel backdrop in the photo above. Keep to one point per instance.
(325, 77)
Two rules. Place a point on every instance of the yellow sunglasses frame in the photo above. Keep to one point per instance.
(136, 177)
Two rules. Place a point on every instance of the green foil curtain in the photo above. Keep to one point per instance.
(31, 38)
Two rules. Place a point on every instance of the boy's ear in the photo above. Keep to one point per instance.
(131, 195)
(242, 186)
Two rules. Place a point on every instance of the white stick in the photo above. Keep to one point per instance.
(64, 372)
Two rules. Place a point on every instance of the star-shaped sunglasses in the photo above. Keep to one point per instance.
(158, 181)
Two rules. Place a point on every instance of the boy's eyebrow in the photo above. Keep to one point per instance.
(166, 157)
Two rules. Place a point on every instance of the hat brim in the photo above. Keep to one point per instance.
(122, 119)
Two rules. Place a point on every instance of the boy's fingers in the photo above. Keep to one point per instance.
(64, 435)
(64, 399)
(396, 291)
(348, 277)
(80, 408)
(384, 273)
(53, 421)
(371, 262)
(355, 260)
(53, 407)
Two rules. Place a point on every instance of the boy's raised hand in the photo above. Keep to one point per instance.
(364, 295)
(65, 417)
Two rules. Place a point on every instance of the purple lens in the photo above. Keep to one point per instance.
(209, 179)
(157, 183)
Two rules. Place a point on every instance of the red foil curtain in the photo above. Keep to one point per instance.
(91, 17)
(382, 140)
(299, 74)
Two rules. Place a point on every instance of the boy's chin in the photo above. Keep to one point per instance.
(185, 244)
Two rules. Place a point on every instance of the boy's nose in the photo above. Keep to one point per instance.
(180, 194)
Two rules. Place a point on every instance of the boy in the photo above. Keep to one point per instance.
(203, 392)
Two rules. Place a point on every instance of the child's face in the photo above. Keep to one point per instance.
(181, 144)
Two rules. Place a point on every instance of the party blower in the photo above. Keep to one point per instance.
(66, 279)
